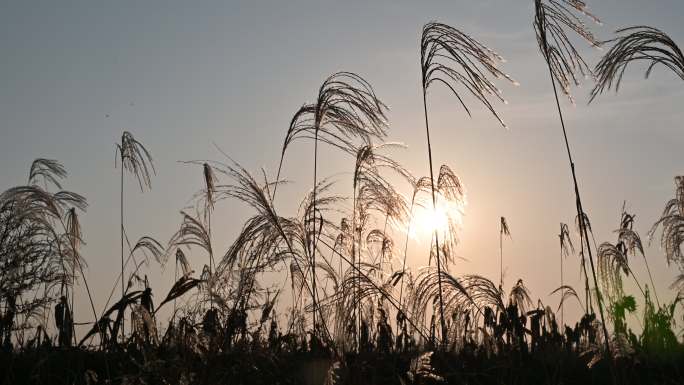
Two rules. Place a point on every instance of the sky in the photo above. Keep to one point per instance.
(187, 77)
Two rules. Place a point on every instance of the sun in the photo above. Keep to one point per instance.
(426, 219)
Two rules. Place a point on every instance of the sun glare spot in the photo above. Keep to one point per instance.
(426, 220)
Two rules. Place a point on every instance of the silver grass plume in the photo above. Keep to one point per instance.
(456, 60)
(47, 170)
(520, 296)
(636, 44)
(135, 159)
(346, 109)
(553, 20)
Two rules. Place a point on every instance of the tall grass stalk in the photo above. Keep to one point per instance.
(134, 158)
(346, 108)
(453, 58)
(563, 63)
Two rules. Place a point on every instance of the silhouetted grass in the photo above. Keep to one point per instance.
(358, 314)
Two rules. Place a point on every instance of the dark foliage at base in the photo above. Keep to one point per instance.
(246, 365)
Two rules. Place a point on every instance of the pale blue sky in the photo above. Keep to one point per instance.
(181, 75)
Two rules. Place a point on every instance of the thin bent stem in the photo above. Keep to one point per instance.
(277, 180)
(587, 297)
(651, 278)
(501, 258)
(403, 266)
(434, 208)
(578, 204)
(313, 245)
(175, 279)
(353, 261)
(358, 287)
(562, 290)
(636, 281)
(122, 242)
(211, 262)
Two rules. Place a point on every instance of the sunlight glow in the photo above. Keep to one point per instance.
(426, 220)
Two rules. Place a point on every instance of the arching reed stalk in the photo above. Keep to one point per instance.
(345, 109)
(639, 43)
(454, 59)
(135, 159)
(552, 19)
(503, 230)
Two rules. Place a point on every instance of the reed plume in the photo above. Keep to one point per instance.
(554, 19)
(639, 43)
(47, 170)
(520, 296)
